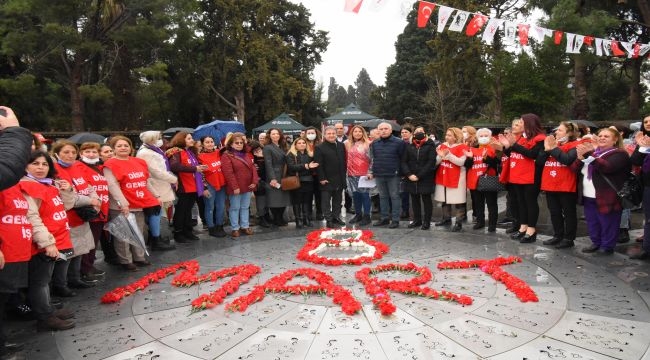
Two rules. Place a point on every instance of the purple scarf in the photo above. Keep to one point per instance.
(197, 176)
(162, 153)
(46, 181)
(597, 154)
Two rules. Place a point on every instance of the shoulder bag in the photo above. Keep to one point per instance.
(291, 182)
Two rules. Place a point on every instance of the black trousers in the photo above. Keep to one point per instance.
(331, 203)
(480, 199)
(183, 212)
(418, 202)
(564, 217)
(525, 201)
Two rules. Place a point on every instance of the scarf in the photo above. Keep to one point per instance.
(597, 154)
(418, 143)
(197, 177)
(45, 181)
(162, 153)
(240, 154)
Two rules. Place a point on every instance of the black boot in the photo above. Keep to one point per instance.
(261, 221)
(212, 231)
(297, 213)
(219, 231)
(305, 209)
(161, 244)
(365, 220)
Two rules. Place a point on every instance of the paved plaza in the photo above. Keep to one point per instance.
(589, 307)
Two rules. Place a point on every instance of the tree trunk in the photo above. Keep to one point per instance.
(581, 106)
(76, 98)
(240, 106)
(635, 87)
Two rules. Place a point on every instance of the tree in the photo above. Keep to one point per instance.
(364, 88)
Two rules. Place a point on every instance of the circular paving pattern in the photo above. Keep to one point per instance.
(584, 312)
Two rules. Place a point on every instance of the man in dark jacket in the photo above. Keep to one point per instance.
(15, 146)
(385, 158)
(330, 155)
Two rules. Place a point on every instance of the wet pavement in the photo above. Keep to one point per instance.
(589, 307)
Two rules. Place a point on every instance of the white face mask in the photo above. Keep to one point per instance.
(465, 135)
(311, 137)
(483, 140)
(563, 139)
(159, 143)
(89, 161)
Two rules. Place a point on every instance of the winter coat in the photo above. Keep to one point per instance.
(274, 161)
(159, 178)
(420, 162)
(15, 147)
(386, 156)
(296, 165)
(239, 172)
(332, 165)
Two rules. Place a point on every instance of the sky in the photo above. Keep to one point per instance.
(363, 40)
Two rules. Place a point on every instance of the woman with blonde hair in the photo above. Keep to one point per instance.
(300, 162)
(451, 179)
(357, 148)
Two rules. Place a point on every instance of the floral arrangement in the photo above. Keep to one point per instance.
(493, 267)
(378, 289)
(319, 240)
(278, 284)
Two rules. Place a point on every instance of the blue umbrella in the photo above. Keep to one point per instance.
(218, 129)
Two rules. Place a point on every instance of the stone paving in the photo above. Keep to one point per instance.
(589, 308)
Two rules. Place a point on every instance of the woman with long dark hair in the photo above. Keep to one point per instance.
(419, 168)
(215, 197)
(275, 160)
(524, 176)
(184, 162)
(314, 138)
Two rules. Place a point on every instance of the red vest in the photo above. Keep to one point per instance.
(559, 177)
(98, 182)
(448, 174)
(74, 174)
(213, 174)
(505, 169)
(132, 175)
(187, 178)
(15, 229)
(522, 169)
(479, 167)
(52, 213)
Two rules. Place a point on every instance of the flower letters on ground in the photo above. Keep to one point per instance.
(366, 250)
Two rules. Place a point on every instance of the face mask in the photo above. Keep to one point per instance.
(563, 139)
(89, 161)
(159, 143)
(465, 135)
(483, 140)
(418, 136)
(311, 137)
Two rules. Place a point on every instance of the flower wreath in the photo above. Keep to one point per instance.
(319, 240)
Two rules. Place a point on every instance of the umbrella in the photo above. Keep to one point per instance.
(83, 137)
(218, 129)
(125, 228)
(371, 124)
(172, 131)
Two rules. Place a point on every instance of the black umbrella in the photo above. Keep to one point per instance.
(83, 137)
(172, 131)
(371, 124)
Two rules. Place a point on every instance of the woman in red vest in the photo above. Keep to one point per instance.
(73, 171)
(523, 146)
(184, 162)
(215, 190)
(130, 192)
(559, 183)
(451, 180)
(482, 160)
(47, 200)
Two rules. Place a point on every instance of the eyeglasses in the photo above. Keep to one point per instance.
(238, 143)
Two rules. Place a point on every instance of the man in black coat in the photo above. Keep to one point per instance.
(15, 147)
(330, 155)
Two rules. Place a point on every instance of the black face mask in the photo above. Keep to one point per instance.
(419, 136)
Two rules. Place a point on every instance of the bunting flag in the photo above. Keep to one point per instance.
(491, 29)
(629, 47)
(353, 5)
(603, 47)
(375, 5)
(522, 31)
(444, 12)
(616, 51)
(424, 13)
(458, 24)
(589, 40)
(510, 29)
(475, 25)
(574, 43)
(643, 49)
(557, 37)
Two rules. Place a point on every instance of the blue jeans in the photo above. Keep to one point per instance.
(361, 201)
(388, 187)
(215, 206)
(239, 210)
(153, 221)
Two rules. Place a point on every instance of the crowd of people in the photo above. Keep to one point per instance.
(56, 204)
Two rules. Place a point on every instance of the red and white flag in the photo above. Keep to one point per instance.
(522, 30)
(616, 50)
(603, 47)
(353, 5)
(629, 47)
(574, 43)
(476, 24)
(424, 13)
(444, 12)
(491, 29)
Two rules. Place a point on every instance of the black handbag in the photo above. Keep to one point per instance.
(490, 183)
(86, 213)
(631, 193)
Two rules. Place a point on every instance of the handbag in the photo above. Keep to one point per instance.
(86, 213)
(291, 182)
(490, 183)
(630, 194)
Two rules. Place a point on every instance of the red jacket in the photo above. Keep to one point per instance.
(213, 175)
(15, 229)
(522, 159)
(181, 165)
(557, 175)
(239, 172)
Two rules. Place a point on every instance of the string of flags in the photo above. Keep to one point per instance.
(516, 33)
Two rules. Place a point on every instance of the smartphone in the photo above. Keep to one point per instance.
(3, 112)
(62, 257)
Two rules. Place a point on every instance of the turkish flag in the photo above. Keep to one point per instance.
(589, 40)
(523, 34)
(558, 37)
(353, 5)
(476, 24)
(424, 13)
(616, 50)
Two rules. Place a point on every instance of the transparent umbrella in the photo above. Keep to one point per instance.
(125, 229)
